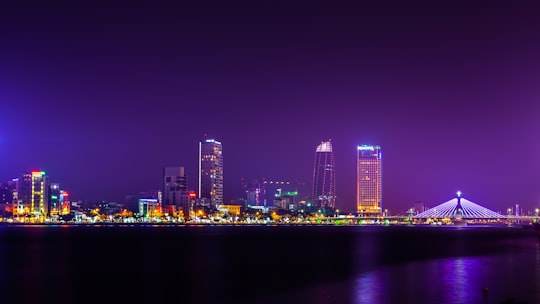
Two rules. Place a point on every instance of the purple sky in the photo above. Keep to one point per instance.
(102, 96)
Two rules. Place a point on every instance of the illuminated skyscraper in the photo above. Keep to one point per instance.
(33, 194)
(324, 176)
(58, 200)
(369, 180)
(211, 171)
(40, 193)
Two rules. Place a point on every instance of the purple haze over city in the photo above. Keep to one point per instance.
(103, 95)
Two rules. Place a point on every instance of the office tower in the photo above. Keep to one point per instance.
(175, 192)
(23, 194)
(211, 171)
(59, 203)
(40, 194)
(65, 203)
(324, 176)
(54, 199)
(33, 194)
(369, 180)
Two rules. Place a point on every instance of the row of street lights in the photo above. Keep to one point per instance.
(509, 211)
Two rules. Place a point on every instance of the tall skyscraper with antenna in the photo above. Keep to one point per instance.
(324, 176)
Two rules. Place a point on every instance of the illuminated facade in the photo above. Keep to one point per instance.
(58, 200)
(23, 194)
(149, 207)
(230, 209)
(33, 194)
(324, 176)
(131, 202)
(54, 199)
(369, 180)
(40, 194)
(211, 171)
(459, 208)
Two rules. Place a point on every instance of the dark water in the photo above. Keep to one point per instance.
(268, 264)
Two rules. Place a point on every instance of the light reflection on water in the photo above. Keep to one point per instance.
(477, 279)
(260, 265)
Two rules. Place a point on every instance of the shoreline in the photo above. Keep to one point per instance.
(168, 224)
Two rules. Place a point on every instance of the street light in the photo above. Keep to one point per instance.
(536, 211)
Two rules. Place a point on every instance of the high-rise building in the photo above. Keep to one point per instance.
(54, 199)
(6, 193)
(6, 198)
(324, 176)
(40, 194)
(175, 189)
(33, 194)
(23, 194)
(369, 180)
(211, 171)
(58, 200)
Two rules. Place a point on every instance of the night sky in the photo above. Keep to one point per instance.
(103, 95)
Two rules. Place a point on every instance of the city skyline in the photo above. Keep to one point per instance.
(96, 94)
(368, 180)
